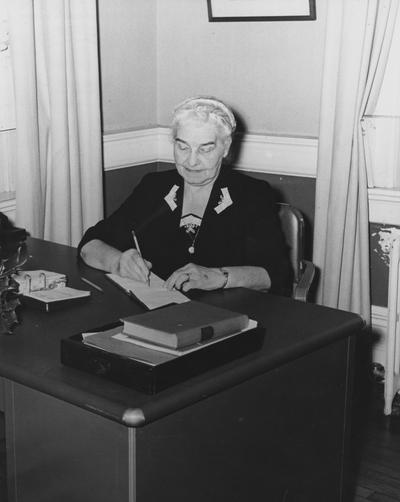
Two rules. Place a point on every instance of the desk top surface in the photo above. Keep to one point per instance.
(31, 356)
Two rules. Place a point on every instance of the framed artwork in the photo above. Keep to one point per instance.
(261, 10)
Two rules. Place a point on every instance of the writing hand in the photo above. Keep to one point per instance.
(132, 265)
(193, 276)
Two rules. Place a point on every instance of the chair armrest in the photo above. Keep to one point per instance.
(303, 286)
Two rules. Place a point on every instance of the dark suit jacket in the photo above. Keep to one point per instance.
(245, 233)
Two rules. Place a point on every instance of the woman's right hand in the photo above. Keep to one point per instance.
(131, 264)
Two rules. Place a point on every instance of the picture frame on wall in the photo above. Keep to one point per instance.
(261, 10)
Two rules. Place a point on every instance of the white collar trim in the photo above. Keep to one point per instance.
(224, 201)
(170, 198)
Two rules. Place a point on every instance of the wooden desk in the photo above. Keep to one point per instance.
(272, 426)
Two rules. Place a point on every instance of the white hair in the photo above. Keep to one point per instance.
(205, 108)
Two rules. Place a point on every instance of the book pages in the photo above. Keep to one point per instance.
(152, 296)
(57, 294)
(178, 352)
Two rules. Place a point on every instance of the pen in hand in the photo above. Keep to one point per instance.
(140, 253)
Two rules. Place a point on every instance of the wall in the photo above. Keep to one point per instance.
(156, 53)
(128, 57)
(270, 72)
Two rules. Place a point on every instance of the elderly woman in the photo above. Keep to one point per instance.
(200, 226)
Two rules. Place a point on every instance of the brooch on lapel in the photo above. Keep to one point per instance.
(224, 201)
(170, 198)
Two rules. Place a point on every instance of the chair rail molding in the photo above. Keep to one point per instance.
(283, 155)
(130, 148)
(384, 206)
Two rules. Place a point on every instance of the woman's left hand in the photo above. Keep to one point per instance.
(193, 276)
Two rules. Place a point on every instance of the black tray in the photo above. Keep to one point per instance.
(151, 379)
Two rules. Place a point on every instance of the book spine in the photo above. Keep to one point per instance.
(231, 325)
(222, 328)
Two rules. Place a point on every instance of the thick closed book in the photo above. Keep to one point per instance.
(112, 339)
(184, 324)
(102, 353)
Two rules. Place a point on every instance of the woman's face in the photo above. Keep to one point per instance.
(199, 148)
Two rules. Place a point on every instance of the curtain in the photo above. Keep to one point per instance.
(382, 121)
(58, 125)
(355, 58)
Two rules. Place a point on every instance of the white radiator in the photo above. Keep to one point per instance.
(392, 367)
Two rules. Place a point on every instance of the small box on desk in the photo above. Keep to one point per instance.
(152, 378)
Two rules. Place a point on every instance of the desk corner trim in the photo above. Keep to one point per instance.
(133, 417)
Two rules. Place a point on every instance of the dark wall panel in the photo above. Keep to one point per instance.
(300, 193)
(119, 183)
(380, 244)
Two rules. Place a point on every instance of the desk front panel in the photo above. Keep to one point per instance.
(279, 436)
(60, 452)
(1, 394)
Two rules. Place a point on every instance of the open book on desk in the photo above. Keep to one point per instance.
(150, 296)
(51, 299)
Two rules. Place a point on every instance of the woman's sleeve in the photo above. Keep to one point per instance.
(265, 242)
(115, 230)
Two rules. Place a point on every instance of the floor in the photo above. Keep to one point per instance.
(376, 459)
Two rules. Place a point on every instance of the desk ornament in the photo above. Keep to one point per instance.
(13, 254)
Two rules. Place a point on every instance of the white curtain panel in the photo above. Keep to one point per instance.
(382, 151)
(352, 76)
(381, 124)
(58, 126)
